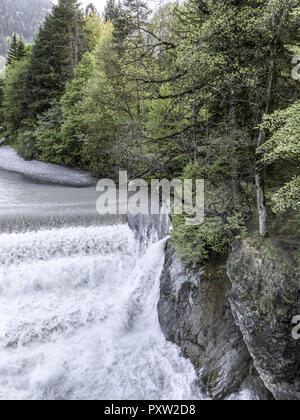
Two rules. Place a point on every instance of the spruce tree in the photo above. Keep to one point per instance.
(129, 20)
(56, 53)
(90, 10)
(111, 11)
(130, 44)
(21, 50)
(17, 49)
(1, 100)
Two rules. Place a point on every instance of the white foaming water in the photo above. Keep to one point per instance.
(78, 318)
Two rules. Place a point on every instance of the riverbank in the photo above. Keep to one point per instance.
(42, 172)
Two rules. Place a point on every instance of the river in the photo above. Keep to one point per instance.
(78, 300)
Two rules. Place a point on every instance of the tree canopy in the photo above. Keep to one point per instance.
(202, 89)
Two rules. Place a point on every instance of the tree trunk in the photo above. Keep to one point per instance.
(236, 186)
(76, 44)
(261, 203)
(259, 174)
(260, 187)
(195, 110)
(140, 40)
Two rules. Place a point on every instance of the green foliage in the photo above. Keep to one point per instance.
(26, 144)
(13, 95)
(73, 129)
(48, 139)
(284, 142)
(288, 197)
(16, 50)
(93, 27)
(221, 224)
(284, 146)
(180, 92)
(89, 109)
(1, 99)
(127, 20)
(56, 53)
(101, 123)
(195, 244)
(111, 11)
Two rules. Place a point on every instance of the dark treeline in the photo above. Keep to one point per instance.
(198, 90)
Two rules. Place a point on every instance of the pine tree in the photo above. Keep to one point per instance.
(128, 22)
(17, 49)
(13, 96)
(1, 101)
(58, 49)
(111, 11)
(90, 10)
(21, 50)
(130, 43)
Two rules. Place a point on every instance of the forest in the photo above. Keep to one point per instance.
(201, 89)
(22, 17)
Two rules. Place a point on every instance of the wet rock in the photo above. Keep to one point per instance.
(149, 228)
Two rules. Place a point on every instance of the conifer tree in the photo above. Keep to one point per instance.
(111, 11)
(128, 23)
(90, 10)
(17, 49)
(1, 100)
(93, 27)
(56, 53)
(130, 44)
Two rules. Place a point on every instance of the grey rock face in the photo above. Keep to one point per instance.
(149, 228)
(195, 313)
(265, 297)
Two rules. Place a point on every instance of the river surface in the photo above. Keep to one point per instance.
(78, 301)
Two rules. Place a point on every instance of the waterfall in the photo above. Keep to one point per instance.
(78, 317)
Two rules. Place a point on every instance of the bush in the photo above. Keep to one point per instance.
(48, 138)
(222, 223)
(26, 144)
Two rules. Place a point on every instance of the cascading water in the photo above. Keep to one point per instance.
(78, 318)
(79, 295)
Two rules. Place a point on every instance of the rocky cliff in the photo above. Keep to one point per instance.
(235, 329)
(195, 313)
(264, 299)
